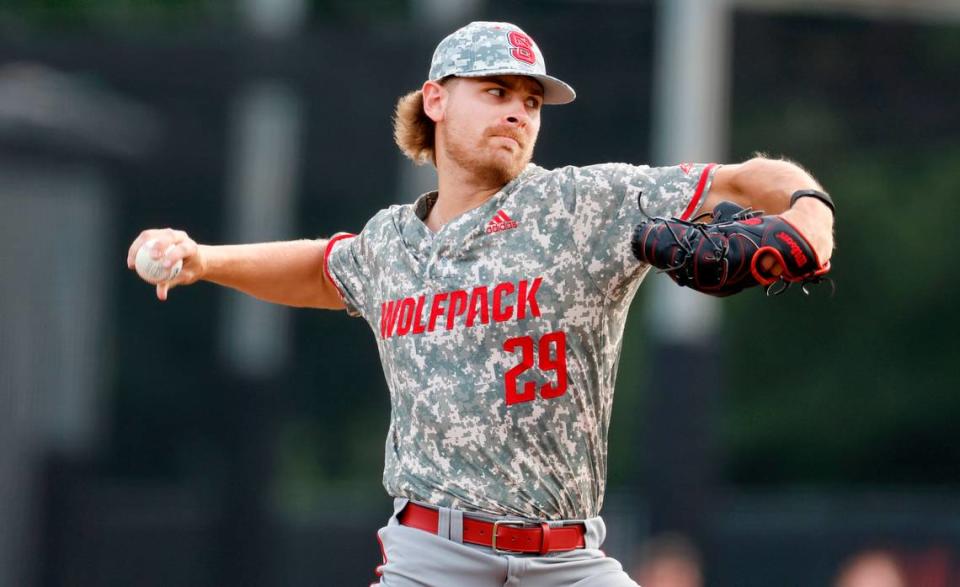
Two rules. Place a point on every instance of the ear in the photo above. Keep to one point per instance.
(434, 100)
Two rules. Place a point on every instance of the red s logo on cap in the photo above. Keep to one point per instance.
(522, 47)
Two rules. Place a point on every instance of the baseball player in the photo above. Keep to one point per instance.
(498, 303)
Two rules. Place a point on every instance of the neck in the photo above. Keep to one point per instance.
(458, 191)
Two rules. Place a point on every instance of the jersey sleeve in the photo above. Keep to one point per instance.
(345, 267)
(355, 264)
(608, 200)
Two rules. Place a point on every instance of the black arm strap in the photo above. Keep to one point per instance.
(825, 198)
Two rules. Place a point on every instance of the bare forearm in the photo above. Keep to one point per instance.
(288, 273)
(763, 184)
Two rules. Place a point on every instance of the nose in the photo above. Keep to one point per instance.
(517, 114)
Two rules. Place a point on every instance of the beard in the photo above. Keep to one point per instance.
(490, 164)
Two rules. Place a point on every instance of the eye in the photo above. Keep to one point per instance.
(533, 103)
(499, 92)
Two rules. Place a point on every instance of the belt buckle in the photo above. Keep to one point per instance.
(496, 526)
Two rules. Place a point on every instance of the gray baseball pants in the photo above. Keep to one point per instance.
(414, 558)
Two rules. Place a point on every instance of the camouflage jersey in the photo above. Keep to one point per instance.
(500, 334)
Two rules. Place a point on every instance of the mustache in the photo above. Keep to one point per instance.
(506, 131)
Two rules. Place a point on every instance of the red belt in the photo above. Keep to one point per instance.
(502, 535)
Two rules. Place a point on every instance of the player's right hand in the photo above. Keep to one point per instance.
(186, 249)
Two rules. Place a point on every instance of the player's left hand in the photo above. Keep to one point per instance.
(739, 249)
(814, 220)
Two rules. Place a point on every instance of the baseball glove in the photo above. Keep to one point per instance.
(722, 257)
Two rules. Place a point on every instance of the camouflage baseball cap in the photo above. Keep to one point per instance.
(496, 48)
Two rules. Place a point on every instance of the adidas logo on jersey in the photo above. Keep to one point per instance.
(500, 222)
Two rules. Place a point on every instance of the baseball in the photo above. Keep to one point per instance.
(152, 270)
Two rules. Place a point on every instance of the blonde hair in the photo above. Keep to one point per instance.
(413, 130)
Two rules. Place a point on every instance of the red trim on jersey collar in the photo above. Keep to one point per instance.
(698, 195)
(326, 255)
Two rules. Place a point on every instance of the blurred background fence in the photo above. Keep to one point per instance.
(213, 440)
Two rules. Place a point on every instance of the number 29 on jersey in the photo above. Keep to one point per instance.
(549, 354)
